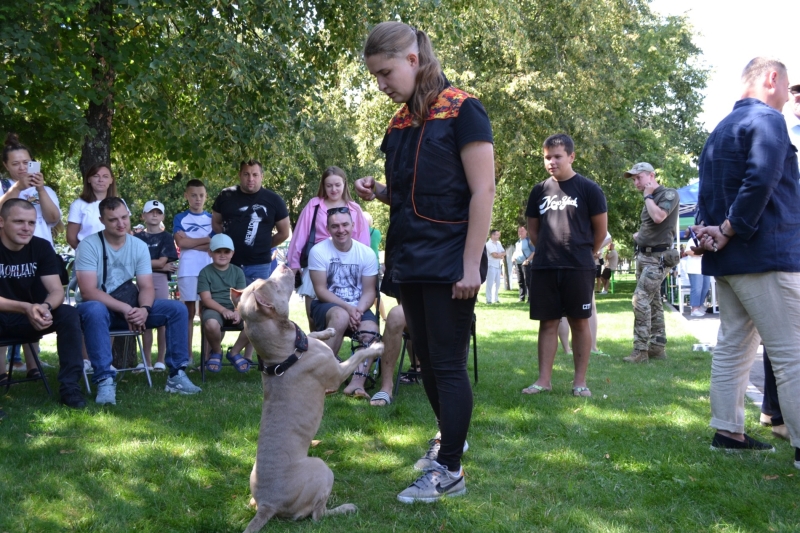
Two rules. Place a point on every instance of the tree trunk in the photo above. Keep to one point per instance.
(97, 144)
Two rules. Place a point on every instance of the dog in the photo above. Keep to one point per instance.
(285, 481)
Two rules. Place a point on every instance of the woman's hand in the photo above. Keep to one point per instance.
(468, 286)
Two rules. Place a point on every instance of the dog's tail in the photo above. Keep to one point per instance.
(263, 514)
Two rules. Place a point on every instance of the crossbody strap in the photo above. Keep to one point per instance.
(105, 261)
(312, 234)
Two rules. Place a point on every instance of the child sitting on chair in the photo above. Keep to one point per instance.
(214, 283)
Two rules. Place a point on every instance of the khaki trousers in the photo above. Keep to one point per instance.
(755, 307)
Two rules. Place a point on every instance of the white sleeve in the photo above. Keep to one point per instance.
(76, 212)
(316, 259)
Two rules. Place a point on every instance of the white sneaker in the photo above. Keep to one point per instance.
(181, 384)
(87, 366)
(106, 392)
(698, 313)
(604, 292)
(159, 367)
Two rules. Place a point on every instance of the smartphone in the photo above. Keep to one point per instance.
(693, 236)
(34, 167)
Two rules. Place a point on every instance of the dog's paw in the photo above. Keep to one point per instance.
(346, 508)
(323, 335)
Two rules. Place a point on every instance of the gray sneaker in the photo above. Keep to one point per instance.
(426, 461)
(181, 384)
(106, 392)
(433, 485)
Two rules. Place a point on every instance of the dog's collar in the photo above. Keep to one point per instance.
(300, 346)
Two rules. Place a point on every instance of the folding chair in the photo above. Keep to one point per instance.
(407, 337)
(126, 334)
(30, 341)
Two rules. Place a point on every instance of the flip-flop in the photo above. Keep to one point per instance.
(600, 353)
(214, 363)
(583, 392)
(381, 396)
(239, 363)
(33, 373)
(535, 389)
(358, 392)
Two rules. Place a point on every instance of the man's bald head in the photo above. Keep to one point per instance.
(766, 79)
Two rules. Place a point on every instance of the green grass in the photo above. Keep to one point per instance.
(634, 457)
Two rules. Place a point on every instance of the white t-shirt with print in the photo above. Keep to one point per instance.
(344, 270)
(42, 227)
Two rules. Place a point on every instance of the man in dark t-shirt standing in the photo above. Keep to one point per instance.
(567, 223)
(655, 256)
(248, 213)
(29, 268)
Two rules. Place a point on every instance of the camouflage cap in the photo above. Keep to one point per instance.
(639, 167)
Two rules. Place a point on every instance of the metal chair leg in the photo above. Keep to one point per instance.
(400, 366)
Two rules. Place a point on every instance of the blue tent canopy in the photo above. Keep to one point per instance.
(689, 193)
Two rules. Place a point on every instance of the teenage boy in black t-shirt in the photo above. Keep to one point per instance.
(29, 267)
(567, 222)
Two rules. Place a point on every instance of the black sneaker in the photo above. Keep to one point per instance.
(73, 398)
(721, 442)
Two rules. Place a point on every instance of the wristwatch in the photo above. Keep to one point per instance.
(49, 307)
(649, 196)
(147, 308)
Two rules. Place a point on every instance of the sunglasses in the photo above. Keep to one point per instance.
(333, 211)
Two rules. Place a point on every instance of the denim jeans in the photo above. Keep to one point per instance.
(700, 285)
(97, 320)
(254, 272)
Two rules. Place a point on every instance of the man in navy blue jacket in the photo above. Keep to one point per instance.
(749, 228)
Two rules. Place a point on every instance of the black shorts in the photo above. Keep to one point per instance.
(606, 273)
(319, 312)
(562, 292)
(598, 270)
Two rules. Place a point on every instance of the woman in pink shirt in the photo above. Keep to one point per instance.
(333, 192)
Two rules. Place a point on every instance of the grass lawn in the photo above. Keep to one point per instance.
(635, 457)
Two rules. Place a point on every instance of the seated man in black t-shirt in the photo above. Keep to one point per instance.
(567, 222)
(31, 296)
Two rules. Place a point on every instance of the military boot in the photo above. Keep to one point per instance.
(636, 356)
(656, 352)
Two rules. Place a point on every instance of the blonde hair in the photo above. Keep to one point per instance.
(334, 171)
(392, 39)
(759, 66)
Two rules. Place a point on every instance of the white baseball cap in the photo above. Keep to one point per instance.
(153, 204)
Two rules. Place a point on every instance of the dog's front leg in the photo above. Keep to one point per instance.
(348, 367)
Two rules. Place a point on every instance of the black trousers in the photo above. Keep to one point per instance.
(67, 326)
(523, 281)
(771, 406)
(440, 329)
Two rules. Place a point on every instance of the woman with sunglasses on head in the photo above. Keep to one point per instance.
(440, 189)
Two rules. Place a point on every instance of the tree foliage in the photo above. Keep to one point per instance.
(196, 86)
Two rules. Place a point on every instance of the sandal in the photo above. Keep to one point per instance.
(358, 392)
(214, 363)
(239, 363)
(34, 373)
(409, 378)
(600, 353)
(535, 389)
(381, 396)
(583, 392)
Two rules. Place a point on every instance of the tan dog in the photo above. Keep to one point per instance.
(285, 482)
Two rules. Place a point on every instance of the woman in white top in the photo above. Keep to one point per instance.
(84, 216)
(29, 187)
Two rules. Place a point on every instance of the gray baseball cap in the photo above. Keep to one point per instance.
(639, 167)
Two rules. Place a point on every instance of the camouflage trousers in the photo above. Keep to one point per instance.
(648, 311)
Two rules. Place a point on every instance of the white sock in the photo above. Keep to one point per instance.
(457, 474)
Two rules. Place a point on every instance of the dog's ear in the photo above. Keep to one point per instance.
(263, 305)
(236, 294)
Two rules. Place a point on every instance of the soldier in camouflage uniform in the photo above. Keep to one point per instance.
(654, 258)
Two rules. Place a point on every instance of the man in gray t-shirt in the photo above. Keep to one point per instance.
(105, 262)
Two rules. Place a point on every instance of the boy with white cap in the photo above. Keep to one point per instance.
(162, 257)
(213, 285)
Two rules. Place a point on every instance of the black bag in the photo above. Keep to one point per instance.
(312, 234)
(128, 292)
